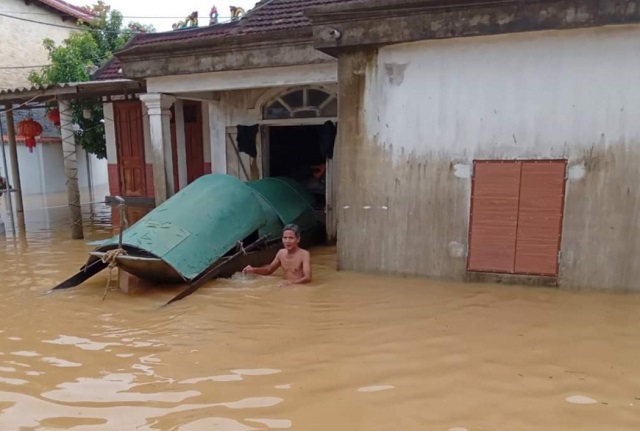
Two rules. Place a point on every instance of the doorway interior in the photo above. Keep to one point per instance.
(297, 152)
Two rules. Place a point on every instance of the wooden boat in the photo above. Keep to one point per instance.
(212, 228)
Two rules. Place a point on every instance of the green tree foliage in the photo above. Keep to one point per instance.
(77, 57)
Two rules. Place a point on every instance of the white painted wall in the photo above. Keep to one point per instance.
(517, 95)
(432, 107)
(42, 171)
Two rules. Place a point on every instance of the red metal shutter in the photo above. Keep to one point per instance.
(539, 232)
(494, 216)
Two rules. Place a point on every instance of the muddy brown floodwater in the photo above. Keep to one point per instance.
(349, 352)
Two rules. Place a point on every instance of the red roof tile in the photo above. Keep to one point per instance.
(112, 69)
(273, 15)
(209, 32)
(69, 9)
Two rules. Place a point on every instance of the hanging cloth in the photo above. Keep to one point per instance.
(328, 139)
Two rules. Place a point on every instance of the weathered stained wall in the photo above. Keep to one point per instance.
(415, 116)
(183, 61)
(21, 41)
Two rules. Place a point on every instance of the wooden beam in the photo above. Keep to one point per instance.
(69, 155)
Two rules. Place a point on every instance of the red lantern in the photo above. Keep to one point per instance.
(29, 129)
(54, 116)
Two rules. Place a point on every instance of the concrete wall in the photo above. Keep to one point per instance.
(413, 117)
(21, 41)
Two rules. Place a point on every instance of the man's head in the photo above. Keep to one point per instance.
(291, 236)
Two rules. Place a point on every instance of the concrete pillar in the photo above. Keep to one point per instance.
(160, 132)
(13, 157)
(181, 145)
(70, 158)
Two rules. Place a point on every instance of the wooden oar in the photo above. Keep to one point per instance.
(84, 274)
(213, 270)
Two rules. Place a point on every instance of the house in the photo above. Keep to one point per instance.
(23, 27)
(214, 91)
(476, 141)
(488, 141)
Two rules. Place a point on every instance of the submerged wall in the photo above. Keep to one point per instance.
(413, 117)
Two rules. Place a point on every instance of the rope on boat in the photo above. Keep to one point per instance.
(240, 247)
(110, 258)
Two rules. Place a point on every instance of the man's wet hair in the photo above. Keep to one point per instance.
(293, 228)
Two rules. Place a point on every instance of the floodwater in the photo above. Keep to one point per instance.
(349, 352)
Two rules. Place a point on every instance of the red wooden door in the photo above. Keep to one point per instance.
(194, 140)
(130, 147)
(174, 156)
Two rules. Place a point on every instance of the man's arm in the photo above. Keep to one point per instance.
(266, 269)
(306, 271)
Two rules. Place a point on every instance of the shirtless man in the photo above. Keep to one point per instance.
(295, 261)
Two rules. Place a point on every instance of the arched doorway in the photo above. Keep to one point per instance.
(298, 133)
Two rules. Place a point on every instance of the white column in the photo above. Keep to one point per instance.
(70, 158)
(181, 145)
(160, 133)
(217, 131)
(110, 133)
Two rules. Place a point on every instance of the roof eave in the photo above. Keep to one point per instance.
(86, 18)
(235, 42)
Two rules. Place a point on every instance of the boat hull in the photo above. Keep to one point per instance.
(158, 271)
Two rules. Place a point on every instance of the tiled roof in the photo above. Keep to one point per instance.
(272, 15)
(68, 9)
(112, 69)
(267, 16)
(209, 32)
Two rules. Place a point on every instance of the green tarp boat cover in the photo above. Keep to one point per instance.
(201, 223)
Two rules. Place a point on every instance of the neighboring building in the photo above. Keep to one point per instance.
(21, 39)
(476, 140)
(21, 48)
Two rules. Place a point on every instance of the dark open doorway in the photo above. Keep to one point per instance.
(296, 152)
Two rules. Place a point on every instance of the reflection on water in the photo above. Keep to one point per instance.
(349, 352)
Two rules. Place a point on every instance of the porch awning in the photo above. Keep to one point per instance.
(72, 90)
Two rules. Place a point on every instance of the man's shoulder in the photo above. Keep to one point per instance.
(304, 253)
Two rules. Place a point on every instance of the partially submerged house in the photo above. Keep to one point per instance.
(476, 140)
(252, 98)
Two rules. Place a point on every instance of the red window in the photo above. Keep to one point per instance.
(516, 216)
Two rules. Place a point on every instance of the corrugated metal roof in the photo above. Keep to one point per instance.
(71, 89)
